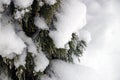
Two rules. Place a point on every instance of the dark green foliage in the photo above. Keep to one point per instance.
(61, 53)
(7, 68)
(48, 47)
(11, 6)
(35, 8)
(3, 66)
(27, 22)
(20, 73)
(29, 73)
(28, 25)
(76, 47)
(48, 11)
(44, 41)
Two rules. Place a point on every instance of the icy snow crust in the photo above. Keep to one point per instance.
(71, 18)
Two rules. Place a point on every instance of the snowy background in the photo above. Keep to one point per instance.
(103, 53)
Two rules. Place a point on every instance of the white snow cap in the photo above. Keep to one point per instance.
(23, 3)
(85, 35)
(71, 18)
(9, 41)
(40, 23)
(50, 2)
(41, 62)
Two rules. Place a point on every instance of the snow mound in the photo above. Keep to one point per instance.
(10, 43)
(65, 71)
(41, 62)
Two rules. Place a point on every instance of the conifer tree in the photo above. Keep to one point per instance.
(24, 17)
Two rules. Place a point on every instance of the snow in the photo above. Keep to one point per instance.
(50, 2)
(10, 43)
(19, 14)
(23, 3)
(21, 60)
(40, 23)
(28, 41)
(41, 3)
(46, 77)
(41, 62)
(3, 76)
(103, 23)
(85, 36)
(7, 2)
(103, 52)
(1, 7)
(21, 7)
(71, 17)
(60, 70)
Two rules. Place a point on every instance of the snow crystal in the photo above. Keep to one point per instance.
(71, 18)
(21, 60)
(85, 36)
(9, 41)
(70, 72)
(41, 62)
(23, 3)
(40, 23)
(50, 2)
